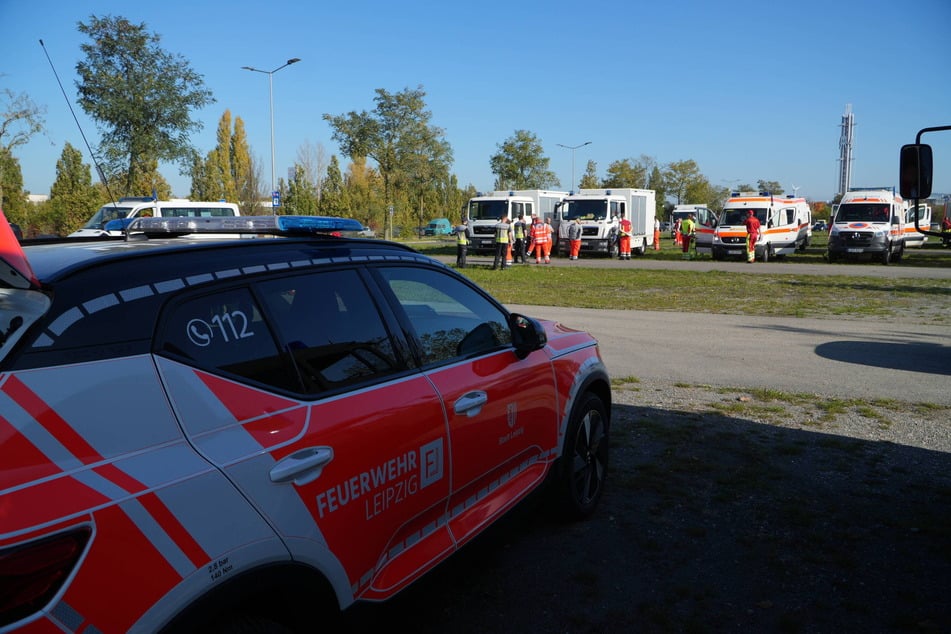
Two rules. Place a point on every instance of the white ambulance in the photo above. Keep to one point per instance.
(785, 225)
(869, 222)
(914, 238)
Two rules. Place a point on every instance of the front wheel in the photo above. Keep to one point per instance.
(581, 472)
(887, 255)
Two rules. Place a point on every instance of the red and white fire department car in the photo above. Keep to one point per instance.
(234, 430)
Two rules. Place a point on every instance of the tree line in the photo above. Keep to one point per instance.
(397, 176)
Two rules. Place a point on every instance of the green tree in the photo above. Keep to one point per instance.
(407, 149)
(626, 173)
(140, 97)
(656, 182)
(589, 180)
(679, 178)
(772, 187)
(13, 201)
(520, 163)
(301, 194)
(331, 187)
(220, 161)
(73, 197)
(20, 119)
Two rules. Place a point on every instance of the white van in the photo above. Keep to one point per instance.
(127, 209)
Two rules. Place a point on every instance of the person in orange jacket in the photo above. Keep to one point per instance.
(656, 234)
(625, 229)
(752, 235)
(541, 239)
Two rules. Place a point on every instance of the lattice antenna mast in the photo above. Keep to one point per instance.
(845, 150)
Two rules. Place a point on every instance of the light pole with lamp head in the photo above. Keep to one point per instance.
(270, 87)
(573, 148)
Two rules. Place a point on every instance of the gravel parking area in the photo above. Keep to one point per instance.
(726, 511)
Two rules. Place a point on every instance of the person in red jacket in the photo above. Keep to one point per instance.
(625, 229)
(752, 234)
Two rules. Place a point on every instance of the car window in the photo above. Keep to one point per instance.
(225, 332)
(331, 327)
(450, 318)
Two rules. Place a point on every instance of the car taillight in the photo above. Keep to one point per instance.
(31, 574)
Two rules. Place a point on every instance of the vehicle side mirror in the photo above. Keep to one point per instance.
(528, 335)
(916, 171)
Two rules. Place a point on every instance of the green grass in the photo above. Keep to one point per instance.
(923, 301)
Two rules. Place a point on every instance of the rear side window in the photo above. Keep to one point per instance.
(331, 328)
(451, 319)
(225, 333)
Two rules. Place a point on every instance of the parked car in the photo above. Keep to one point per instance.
(16, 230)
(252, 434)
(367, 232)
(438, 227)
(820, 226)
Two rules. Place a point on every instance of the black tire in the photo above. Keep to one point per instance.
(901, 252)
(641, 250)
(581, 472)
(766, 254)
(832, 257)
(887, 255)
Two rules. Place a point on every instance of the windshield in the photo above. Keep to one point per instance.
(488, 209)
(733, 217)
(863, 212)
(105, 214)
(586, 209)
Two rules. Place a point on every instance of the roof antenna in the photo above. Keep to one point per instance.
(102, 176)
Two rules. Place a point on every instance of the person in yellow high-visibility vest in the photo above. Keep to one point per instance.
(462, 242)
(503, 241)
(688, 228)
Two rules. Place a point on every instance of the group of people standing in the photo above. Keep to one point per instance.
(514, 242)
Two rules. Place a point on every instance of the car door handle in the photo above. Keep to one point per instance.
(470, 403)
(302, 466)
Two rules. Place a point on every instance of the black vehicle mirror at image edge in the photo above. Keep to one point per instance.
(528, 335)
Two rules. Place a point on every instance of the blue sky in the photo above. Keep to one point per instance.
(749, 90)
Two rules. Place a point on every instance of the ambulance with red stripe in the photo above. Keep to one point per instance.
(868, 223)
(785, 226)
(257, 433)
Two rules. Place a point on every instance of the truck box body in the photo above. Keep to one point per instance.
(599, 211)
(486, 210)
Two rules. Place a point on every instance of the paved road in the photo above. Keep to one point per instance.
(844, 358)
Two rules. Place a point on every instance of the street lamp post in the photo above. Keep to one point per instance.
(573, 148)
(270, 89)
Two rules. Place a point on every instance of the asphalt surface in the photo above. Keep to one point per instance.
(846, 358)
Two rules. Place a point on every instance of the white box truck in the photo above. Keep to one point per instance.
(599, 211)
(485, 210)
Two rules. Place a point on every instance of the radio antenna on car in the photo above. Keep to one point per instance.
(102, 175)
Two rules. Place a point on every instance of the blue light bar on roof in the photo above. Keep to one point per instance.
(317, 223)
